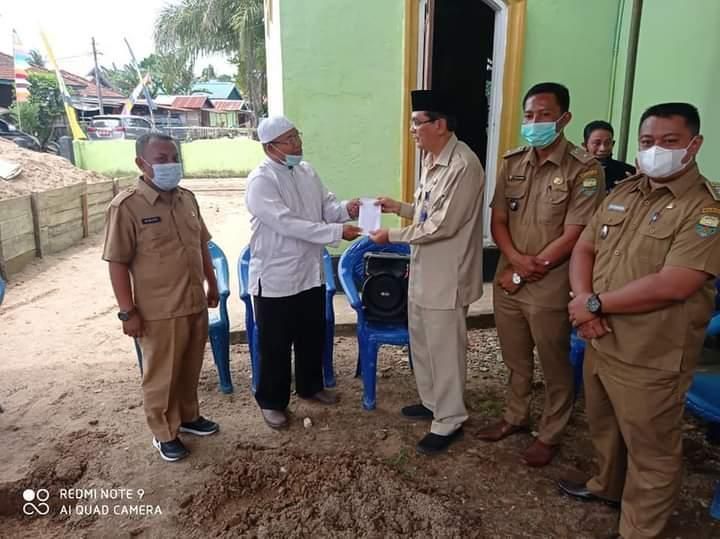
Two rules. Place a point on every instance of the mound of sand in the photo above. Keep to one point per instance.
(270, 493)
(41, 171)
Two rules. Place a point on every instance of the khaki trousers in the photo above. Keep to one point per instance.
(438, 343)
(635, 419)
(173, 351)
(521, 328)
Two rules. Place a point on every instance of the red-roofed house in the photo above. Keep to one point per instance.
(84, 91)
(7, 80)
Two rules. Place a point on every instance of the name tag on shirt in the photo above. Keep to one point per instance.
(616, 207)
(151, 220)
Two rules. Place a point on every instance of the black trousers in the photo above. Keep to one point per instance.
(293, 322)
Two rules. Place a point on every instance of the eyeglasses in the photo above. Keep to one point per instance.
(292, 139)
(416, 123)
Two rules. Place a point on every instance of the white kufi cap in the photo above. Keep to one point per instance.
(271, 128)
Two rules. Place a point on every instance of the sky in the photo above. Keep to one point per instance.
(71, 24)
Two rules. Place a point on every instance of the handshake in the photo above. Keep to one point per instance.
(380, 235)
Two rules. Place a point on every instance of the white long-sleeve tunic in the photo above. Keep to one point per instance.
(293, 216)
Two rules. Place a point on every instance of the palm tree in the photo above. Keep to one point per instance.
(233, 27)
(35, 59)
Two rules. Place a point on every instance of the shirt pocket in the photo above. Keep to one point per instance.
(157, 239)
(515, 195)
(611, 226)
(553, 205)
(655, 242)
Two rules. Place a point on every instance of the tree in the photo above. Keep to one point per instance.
(170, 74)
(36, 59)
(26, 116)
(45, 103)
(124, 78)
(233, 27)
(208, 74)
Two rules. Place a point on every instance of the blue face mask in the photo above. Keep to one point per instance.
(293, 160)
(166, 176)
(540, 134)
(290, 160)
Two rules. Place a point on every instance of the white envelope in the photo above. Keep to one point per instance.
(369, 219)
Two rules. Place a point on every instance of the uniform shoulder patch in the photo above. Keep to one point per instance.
(714, 189)
(122, 196)
(515, 151)
(581, 155)
(708, 223)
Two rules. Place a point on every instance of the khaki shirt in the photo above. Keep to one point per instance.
(638, 231)
(447, 246)
(160, 236)
(540, 201)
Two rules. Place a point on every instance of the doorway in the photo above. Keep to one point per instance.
(461, 65)
(461, 51)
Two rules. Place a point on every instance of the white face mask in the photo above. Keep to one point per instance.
(659, 162)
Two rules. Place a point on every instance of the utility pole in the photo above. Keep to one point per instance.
(98, 84)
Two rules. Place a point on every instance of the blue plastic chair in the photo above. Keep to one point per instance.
(703, 398)
(577, 357)
(218, 322)
(251, 329)
(371, 335)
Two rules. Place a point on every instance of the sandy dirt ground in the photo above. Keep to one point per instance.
(72, 419)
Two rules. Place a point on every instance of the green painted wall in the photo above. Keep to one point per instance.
(571, 42)
(342, 86)
(679, 60)
(112, 158)
(201, 158)
(221, 157)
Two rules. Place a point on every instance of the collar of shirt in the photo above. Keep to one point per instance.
(556, 156)
(150, 194)
(279, 167)
(443, 159)
(678, 187)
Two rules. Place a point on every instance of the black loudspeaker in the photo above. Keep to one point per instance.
(385, 288)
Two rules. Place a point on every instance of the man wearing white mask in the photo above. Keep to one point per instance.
(642, 278)
(293, 217)
(156, 245)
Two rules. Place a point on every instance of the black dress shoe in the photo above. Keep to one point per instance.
(581, 492)
(432, 444)
(417, 411)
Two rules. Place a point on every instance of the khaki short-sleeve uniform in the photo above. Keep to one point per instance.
(540, 200)
(637, 377)
(160, 237)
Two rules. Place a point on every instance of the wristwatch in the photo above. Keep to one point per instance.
(126, 315)
(516, 278)
(593, 304)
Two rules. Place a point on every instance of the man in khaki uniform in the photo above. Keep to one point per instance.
(156, 246)
(545, 194)
(445, 267)
(642, 276)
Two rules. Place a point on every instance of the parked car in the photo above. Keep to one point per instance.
(115, 126)
(9, 132)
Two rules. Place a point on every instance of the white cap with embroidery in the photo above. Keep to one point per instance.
(273, 127)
